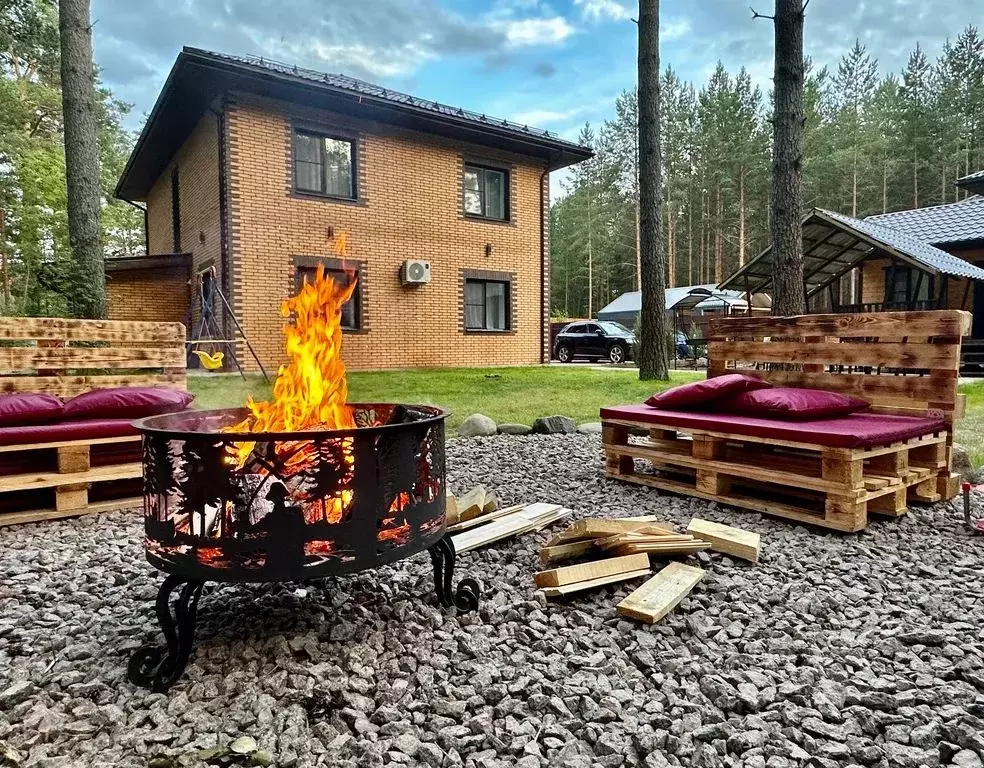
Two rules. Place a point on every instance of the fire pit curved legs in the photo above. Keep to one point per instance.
(465, 597)
(155, 667)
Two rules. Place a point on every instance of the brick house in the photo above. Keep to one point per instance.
(252, 173)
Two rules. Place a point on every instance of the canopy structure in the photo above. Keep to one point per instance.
(833, 244)
(626, 308)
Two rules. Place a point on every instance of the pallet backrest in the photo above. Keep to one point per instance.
(901, 362)
(67, 357)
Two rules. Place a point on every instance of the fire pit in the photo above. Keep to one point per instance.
(292, 506)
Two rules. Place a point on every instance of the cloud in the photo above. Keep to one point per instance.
(542, 31)
(543, 116)
(544, 69)
(603, 9)
(674, 29)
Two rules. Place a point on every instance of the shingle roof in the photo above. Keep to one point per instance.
(910, 245)
(974, 182)
(834, 243)
(939, 224)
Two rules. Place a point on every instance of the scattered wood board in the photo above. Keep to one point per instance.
(580, 586)
(661, 594)
(724, 538)
(451, 510)
(559, 552)
(598, 528)
(532, 517)
(472, 503)
(464, 525)
(661, 550)
(558, 577)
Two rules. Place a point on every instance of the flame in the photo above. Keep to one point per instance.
(311, 389)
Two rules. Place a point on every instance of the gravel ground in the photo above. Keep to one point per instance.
(834, 650)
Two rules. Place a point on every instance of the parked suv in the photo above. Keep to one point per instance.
(597, 340)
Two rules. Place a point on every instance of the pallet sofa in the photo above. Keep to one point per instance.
(72, 467)
(829, 473)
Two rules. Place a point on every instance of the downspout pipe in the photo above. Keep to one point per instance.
(143, 210)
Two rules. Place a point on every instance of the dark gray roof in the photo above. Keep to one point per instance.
(200, 79)
(834, 243)
(948, 224)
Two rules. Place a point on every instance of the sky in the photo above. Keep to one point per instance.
(553, 64)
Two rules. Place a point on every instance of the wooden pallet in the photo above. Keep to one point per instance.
(66, 357)
(903, 363)
(831, 487)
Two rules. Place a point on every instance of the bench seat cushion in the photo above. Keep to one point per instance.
(858, 430)
(86, 429)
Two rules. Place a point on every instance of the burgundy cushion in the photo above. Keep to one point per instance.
(792, 403)
(858, 430)
(89, 429)
(126, 403)
(701, 393)
(21, 408)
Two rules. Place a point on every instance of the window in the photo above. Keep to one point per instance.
(574, 329)
(324, 165)
(486, 305)
(906, 287)
(351, 309)
(486, 192)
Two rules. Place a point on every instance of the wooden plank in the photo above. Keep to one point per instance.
(69, 386)
(530, 518)
(43, 515)
(63, 443)
(890, 354)
(928, 323)
(64, 329)
(727, 539)
(581, 586)
(73, 458)
(661, 594)
(35, 358)
(559, 552)
(471, 504)
(464, 525)
(661, 550)
(842, 471)
(737, 499)
(558, 577)
(597, 528)
(450, 509)
(948, 485)
(892, 503)
(30, 481)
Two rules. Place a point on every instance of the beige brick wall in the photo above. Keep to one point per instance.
(410, 207)
(148, 294)
(198, 179)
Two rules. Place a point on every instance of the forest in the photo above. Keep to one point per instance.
(873, 143)
(37, 271)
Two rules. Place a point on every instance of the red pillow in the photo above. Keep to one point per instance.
(701, 393)
(792, 404)
(25, 409)
(126, 403)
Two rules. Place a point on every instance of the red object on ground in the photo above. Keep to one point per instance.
(791, 404)
(126, 403)
(89, 429)
(858, 430)
(705, 391)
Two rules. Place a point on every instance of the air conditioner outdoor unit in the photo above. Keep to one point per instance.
(415, 272)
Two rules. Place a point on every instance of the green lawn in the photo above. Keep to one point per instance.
(504, 394)
(521, 394)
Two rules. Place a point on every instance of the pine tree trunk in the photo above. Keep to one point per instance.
(701, 279)
(690, 230)
(653, 360)
(671, 249)
(854, 184)
(915, 179)
(885, 186)
(718, 239)
(82, 159)
(741, 218)
(638, 243)
(590, 261)
(787, 161)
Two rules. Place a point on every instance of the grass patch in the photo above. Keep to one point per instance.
(504, 394)
(521, 394)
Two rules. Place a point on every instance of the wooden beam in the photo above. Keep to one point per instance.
(661, 594)
(602, 581)
(724, 538)
(558, 577)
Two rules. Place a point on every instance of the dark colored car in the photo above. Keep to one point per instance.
(597, 340)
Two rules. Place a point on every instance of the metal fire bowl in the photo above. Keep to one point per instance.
(306, 505)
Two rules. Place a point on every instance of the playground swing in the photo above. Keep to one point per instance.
(207, 330)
